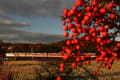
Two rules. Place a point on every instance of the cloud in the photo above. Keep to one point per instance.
(35, 7)
(6, 23)
(29, 37)
(9, 32)
(29, 8)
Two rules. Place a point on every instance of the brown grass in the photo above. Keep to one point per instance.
(25, 70)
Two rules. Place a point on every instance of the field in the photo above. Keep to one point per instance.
(43, 70)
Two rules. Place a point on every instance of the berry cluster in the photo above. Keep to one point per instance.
(95, 21)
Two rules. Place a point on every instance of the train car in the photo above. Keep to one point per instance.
(30, 56)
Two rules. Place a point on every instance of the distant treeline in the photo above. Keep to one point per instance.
(43, 48)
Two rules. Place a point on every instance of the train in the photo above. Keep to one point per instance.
(10, 55)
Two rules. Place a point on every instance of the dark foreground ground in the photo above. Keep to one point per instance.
(48, 69)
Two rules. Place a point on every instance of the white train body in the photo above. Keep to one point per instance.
(40, 54)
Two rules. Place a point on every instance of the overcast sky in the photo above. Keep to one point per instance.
(32, 20)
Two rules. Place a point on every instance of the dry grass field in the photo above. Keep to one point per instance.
(41, 70)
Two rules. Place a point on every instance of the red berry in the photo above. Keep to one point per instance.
(105, 34)
(83, 22)
(117, 59)
(71, 25)
(86, 18)
(97, 74)
(79, 31)
(99, 5)
(82, 58)
(78, 25)
(118, 45)
(68, 42)
(103, 53)
(93, 29)
(69, 20)
(65, 28)
(64, 22)
(98, 39)
(62, 65)
(65, 57)
(108, 67)
(77, 59)
(66, 34)
(87, 38)
(76, 41)
(74, 8)
(74, 65)
(77, 47)
(110, 5)
(106, 59)
(78, 53)
(79, 15)
(102, 10)
(97, 59)
(89, 14)
(69, 51)
(101, 58)
(71, 13)
(95, 9)
(94, 73)
(101, 28)
(94, 3)
(114, 4)
(80, 64)
(110, 61)
(112, 16)
(88, 62)
(71, 36)
(62, 69)
(74, 30)
(115, 54)
(79, 2)
(59, 78)
(88, 8)
(94, 34)
(66, 11)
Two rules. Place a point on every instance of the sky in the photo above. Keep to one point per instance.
(31, 21)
